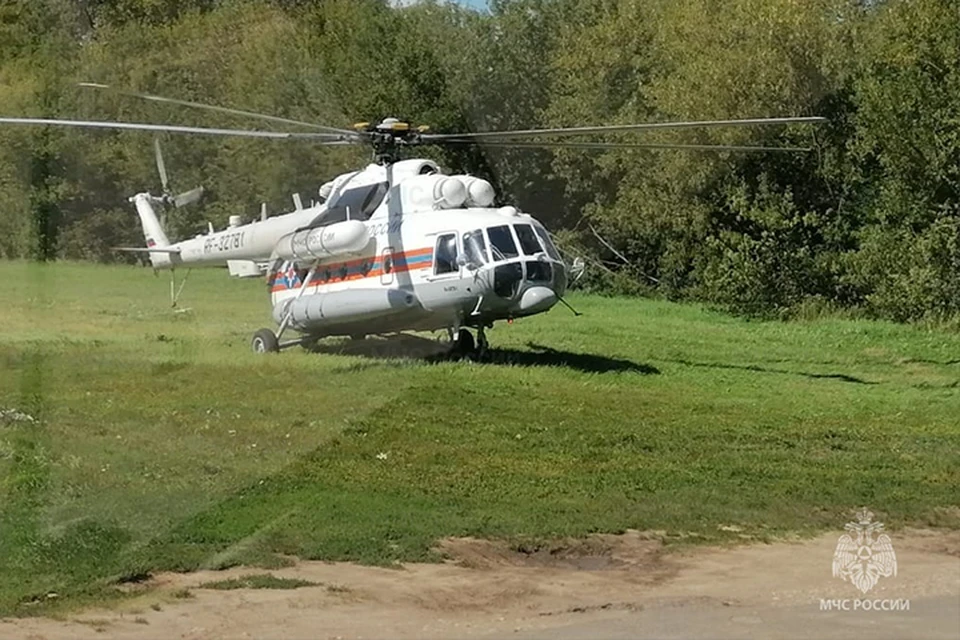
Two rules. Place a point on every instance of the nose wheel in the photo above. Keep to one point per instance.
(265, 341)
(464, 346)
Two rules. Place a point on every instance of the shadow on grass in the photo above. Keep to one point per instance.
(752, 367)
(542, 356)
(431, 351)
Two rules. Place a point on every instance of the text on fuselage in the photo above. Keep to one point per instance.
(224, 242)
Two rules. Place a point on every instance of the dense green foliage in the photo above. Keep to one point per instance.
(869, 221)
(157, 440)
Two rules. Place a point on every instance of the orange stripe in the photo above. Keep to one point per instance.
(373, 273)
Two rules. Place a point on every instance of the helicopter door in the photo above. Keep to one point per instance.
(386, 266)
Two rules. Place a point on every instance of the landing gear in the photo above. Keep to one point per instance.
(265, 341)
(482, 344)
(463, 344)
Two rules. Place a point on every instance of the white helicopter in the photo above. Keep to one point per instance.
(397, 246)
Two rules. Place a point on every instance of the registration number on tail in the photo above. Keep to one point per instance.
(224, 242)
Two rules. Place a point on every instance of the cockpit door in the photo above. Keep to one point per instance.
(387, 266)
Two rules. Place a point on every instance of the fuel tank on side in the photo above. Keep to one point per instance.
(342, 238)
(355, 305)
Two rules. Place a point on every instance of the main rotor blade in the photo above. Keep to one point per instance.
(625, 128)
(210, 107)
(324, 138)
(161, 167)
(504, 144)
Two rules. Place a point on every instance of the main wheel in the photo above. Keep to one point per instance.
(265, 341)
(464, 345)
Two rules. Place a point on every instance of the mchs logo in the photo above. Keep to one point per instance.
(864, 554)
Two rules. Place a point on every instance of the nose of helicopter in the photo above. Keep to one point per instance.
(536, 299)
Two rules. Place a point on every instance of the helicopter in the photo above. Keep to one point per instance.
(397, 246)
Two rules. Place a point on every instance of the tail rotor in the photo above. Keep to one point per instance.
(179, 200)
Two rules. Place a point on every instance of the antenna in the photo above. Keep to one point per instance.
(263, 211)
(297, 203)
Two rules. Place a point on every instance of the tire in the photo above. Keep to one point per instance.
(464, 344)
(265, 341)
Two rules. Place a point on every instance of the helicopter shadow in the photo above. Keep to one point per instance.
(543, 356)
(396, 349)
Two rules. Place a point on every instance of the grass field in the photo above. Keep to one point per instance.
(158, 441)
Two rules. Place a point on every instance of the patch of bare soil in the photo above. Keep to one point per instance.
(640, 551)
(605, 586)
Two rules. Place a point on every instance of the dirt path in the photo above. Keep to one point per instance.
(608, 586)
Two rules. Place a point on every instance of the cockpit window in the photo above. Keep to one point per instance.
(539, 272)
(501, 243)
(475, 248)
(545, 238)
(528, 240)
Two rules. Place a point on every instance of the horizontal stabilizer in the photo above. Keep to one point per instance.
(144, 250)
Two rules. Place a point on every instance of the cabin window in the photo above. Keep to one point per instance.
(528, 240)
(445, 256)
(501, 243)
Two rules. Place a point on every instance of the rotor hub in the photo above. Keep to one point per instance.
(388, 136)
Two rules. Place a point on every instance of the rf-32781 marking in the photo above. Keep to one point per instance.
(224, 242)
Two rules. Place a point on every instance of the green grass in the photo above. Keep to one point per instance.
(258, 581)
(161, 443)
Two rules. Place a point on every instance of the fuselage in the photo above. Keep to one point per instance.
(393, 248)
(468, 267)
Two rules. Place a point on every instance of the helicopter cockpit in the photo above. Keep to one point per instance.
(521, 257)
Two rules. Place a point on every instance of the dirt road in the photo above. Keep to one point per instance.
(613, 587)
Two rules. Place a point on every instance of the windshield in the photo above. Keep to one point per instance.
(502, 244)
(528, 240)
(545, 238)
